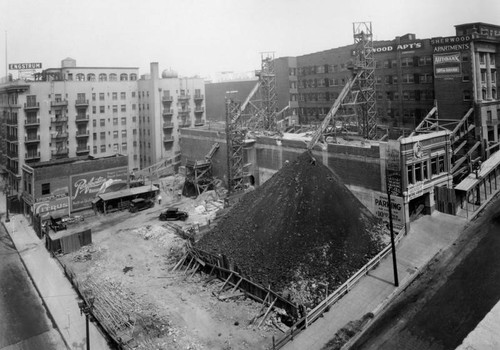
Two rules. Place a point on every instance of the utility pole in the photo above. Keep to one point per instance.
(6, 191)
(393, 246)
(86, 308)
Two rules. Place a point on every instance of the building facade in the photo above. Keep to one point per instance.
(75, 111)
(166, 104)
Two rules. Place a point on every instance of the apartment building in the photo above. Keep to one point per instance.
(166, 104)
(73, 111)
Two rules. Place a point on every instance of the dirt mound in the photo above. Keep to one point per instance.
(302, 233)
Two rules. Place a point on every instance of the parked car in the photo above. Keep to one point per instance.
(173, 214)
(140, 204)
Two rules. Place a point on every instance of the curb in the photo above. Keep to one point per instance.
(49, 313)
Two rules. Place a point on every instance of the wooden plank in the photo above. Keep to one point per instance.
(179, 263)
(267, 312)
(230, 295)
(225, 283)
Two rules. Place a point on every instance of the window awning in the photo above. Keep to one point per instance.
(486, 167)
(127, 192)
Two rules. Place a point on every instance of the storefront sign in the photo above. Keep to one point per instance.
(84, 187)
(398, 47)
(56, 208)
(446, 65)
(381, 205)
(415, 190)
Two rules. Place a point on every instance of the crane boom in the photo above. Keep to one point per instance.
(336, 105)
(241, 109)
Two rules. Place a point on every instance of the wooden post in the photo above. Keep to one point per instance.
(267, 312)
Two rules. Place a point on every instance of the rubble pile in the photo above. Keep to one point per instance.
(303, 233)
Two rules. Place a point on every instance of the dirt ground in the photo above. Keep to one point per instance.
(130, 263)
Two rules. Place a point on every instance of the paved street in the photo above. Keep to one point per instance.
(24, 321)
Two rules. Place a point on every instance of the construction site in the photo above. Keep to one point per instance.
(280, 217)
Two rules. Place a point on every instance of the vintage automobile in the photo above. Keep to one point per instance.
(139, 204)
(172, 214)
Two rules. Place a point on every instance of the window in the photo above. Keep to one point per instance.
(91, 77)
(425, 60)
(394, 79)
(94, 123)
(467, 95)
(101, 96)
(115, 108)
(103, 77)
(124, 121)
(115, 134)
(410, 174)
(388, 79)
(103, 148)
(123, 77)
(94, 149)
(123, 108)
(425, 78)
(115, 121)
(418, 172)
(93, 96)
(378, 79)
(94, 109)
(292, 71)
(133, 93)
(123, 95)
(102, 109)
(441, 163)
(94, 136)
(124, 133)
(408, 78)
(45, 189)
(113, 77)
(102, 135)
(115, 147)
(124, 147)
(102, 122)
(407, 62)
(80, 77)
(134, 106)
(488, 116)
(114, 96)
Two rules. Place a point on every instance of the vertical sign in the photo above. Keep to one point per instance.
(393, 167)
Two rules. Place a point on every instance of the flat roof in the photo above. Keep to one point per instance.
(127, 192)
(486, 167)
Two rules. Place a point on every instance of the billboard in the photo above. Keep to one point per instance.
(447, 65)
(85, 187)
(23, 66)
(56, 207)
(393, 168)
(381, 205)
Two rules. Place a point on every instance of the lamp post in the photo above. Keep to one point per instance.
(6, 192)
(86, 307)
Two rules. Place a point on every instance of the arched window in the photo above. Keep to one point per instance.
(123, 77)
(113, 77)
(91, 77)
(103, 77)
(133, 76)
(80, 77)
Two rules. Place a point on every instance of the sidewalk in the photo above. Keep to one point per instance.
(53, 287)
(428, 236)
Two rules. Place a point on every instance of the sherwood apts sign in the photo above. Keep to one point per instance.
(447, 55)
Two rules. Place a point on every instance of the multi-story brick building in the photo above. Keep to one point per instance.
(76, 111)
(165, 105)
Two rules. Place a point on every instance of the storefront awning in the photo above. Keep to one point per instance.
(486, 167)
(127, 192)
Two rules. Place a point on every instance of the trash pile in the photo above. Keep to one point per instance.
(303, 233)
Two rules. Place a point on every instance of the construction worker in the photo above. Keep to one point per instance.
(159, 199)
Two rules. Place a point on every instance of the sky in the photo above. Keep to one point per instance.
(204, 37)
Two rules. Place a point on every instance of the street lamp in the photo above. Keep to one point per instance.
(6, 192)
(86, 307)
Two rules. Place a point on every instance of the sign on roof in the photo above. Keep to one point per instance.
(21, 66)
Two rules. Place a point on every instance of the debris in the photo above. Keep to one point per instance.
(301, 228)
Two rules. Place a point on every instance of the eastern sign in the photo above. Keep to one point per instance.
(447, 65)
(381, 205)
(85, 187)
(22, 66)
